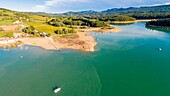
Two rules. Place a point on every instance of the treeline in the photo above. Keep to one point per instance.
(150, 12)
(33, 32)
(124, 18)
(7, 18)
(4, 33)
(157, 15)
(65, 30)
(77, 21)
(162, 22)
(111, 18)
(131, 16)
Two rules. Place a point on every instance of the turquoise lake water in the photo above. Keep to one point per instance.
(127, 63)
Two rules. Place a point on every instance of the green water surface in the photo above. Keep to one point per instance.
(127, 63)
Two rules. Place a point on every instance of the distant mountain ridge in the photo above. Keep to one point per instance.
(148, 9)
(161, 8)
(130, 10)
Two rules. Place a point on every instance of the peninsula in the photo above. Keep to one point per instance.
(51, 33)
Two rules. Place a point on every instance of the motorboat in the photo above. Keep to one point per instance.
(57, 90)
(160, 49)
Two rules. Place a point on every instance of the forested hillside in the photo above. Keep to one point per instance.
(153, 12)
(162, 22)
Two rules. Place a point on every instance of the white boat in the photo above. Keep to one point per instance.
(57, 90)
(160, 49)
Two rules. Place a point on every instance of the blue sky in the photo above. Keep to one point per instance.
(59, 6)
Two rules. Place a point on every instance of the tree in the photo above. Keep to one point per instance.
(32, 28)
(9, 34)
(124, 18)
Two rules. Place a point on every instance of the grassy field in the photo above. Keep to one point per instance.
(6, 22)
(2, 34)
(43, 27)
(38, 18)
(67, 35)
(8, 34)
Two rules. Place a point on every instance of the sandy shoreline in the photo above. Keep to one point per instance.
(91, 29)
(80, 41)
(124, 22)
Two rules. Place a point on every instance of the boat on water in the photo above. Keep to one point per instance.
(57, 90)
(160, 49)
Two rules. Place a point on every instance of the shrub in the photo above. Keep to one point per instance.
(65, 31)
(124, 18)
(1, 29)
(48, 35)
(9, 34)
(32, 28)
(161, 22)
(2, 34)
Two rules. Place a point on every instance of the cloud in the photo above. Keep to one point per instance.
(57, 3)
(81, 5)
(40, 8)
(167, 3)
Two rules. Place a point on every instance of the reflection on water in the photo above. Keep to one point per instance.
(123, 24)
(132, 36)
(161, 29)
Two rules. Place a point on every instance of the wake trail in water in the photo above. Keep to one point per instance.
(100, 84)
(73, 78)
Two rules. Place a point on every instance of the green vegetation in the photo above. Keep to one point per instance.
(2, 34)
(1, 29)
(162, 22)
(67, 35)
(6, 20)
(9, 34)
(29, 30)
(42, 27)
(124, 18)
(6, 33)
(110, 18)
(41, 23)
(154, 15)
(33, 32)
(76, 21)
(153, 12)
(65, 31)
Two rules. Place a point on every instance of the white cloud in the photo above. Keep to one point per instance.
(61, 6)
(167, 3)
(40, 8)
(57, 3)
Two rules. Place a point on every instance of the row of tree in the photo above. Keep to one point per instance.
(4, 33)
(64, 31)
(77, 21)
(162, 22)
(31, 31)
(155, 15)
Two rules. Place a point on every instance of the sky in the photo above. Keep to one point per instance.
(61, 6)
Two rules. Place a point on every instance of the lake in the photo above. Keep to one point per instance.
(127, 63)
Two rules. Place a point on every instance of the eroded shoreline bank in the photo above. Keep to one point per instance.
(79, 41)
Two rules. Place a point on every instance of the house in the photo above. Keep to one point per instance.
(43, 34)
